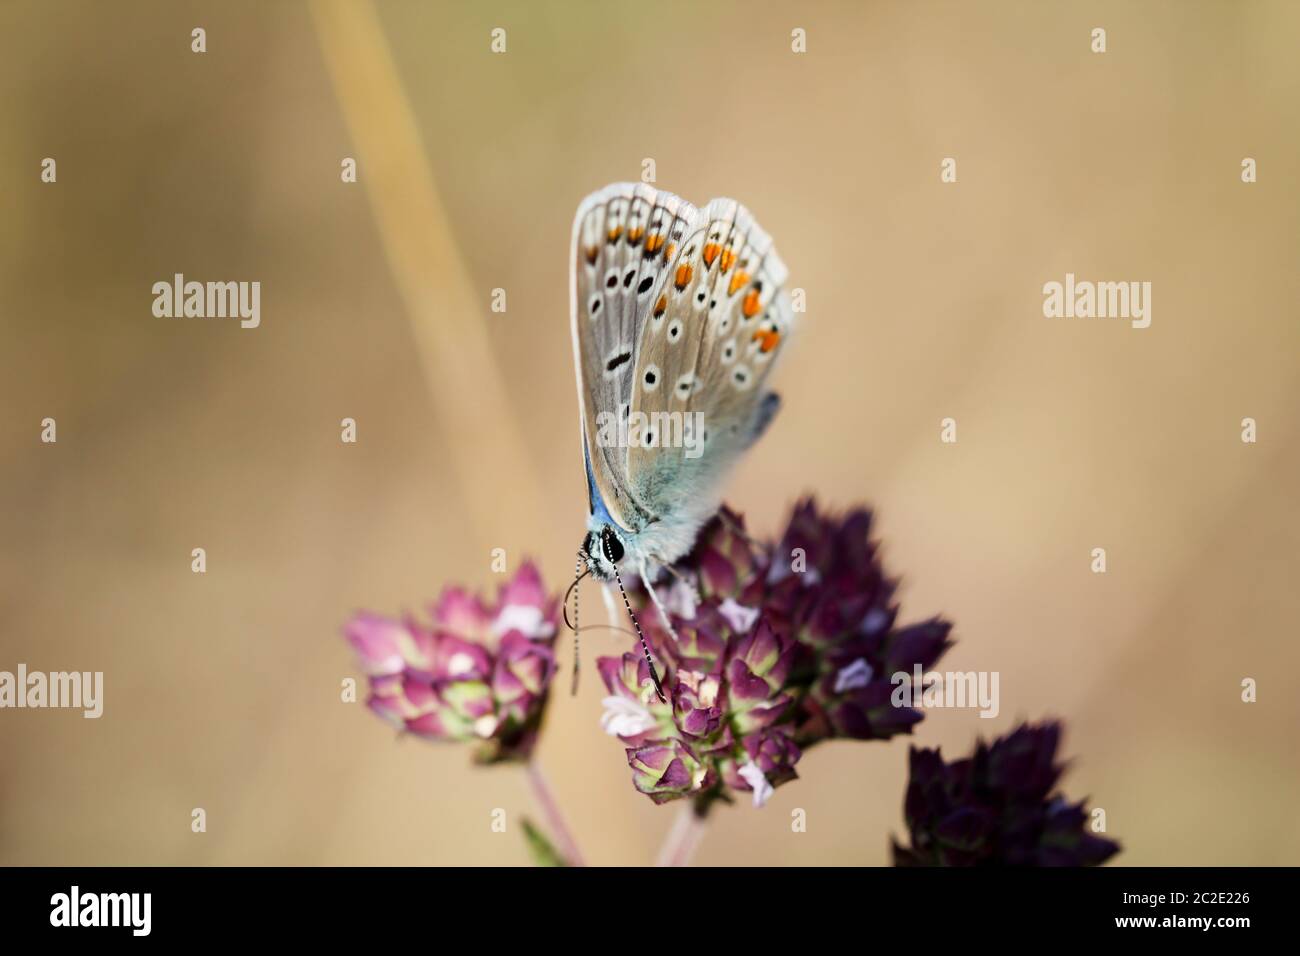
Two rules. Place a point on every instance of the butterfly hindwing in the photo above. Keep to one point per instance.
(704, 357)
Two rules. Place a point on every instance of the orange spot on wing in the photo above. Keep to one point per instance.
(728, 257)
(684, 273)
(711, 251)
(653, 243)
(615, 233)
(661, 306)
(737, 281)
(766, 340)
(749, 308)
(592, 253)
(668, 253)
(634, 236)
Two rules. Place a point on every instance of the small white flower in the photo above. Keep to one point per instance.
(625, 718)
(681, 600)
(873, 621)
(753, 776)
(486, 726)
(779, 571)
(527, 619)
(858, 674)
(460, 663)
(740, 617)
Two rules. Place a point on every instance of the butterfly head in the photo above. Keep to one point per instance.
(603, 550)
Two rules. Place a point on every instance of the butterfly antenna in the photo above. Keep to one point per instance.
(663, 612)
(579, 574)
(654, 674)
(577, 653)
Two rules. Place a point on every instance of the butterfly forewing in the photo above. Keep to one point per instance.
(623, 239)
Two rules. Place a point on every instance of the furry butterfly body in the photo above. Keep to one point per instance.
(678, 316)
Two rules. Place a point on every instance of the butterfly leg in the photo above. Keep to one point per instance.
(693, 599)
(654, 596)
(611, 609)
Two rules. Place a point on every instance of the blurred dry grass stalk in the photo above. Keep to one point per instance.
(467, 385)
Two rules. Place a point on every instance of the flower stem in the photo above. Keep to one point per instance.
(683, 838)
(551, 810)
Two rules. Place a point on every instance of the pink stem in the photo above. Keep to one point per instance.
(551, 810)
(683, 838)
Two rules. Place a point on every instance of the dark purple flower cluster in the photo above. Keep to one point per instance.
(778, 648)
(997, 807)
(767, 650)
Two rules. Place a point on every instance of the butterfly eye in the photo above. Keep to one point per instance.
(613, 547)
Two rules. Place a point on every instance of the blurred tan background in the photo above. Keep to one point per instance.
(924, 301)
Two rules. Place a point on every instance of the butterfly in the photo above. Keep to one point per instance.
(678, 315)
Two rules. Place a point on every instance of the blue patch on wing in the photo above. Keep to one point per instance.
(768, 406)
(595, 503)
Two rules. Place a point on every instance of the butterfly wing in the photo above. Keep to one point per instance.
(715, 330)
(624, 238)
